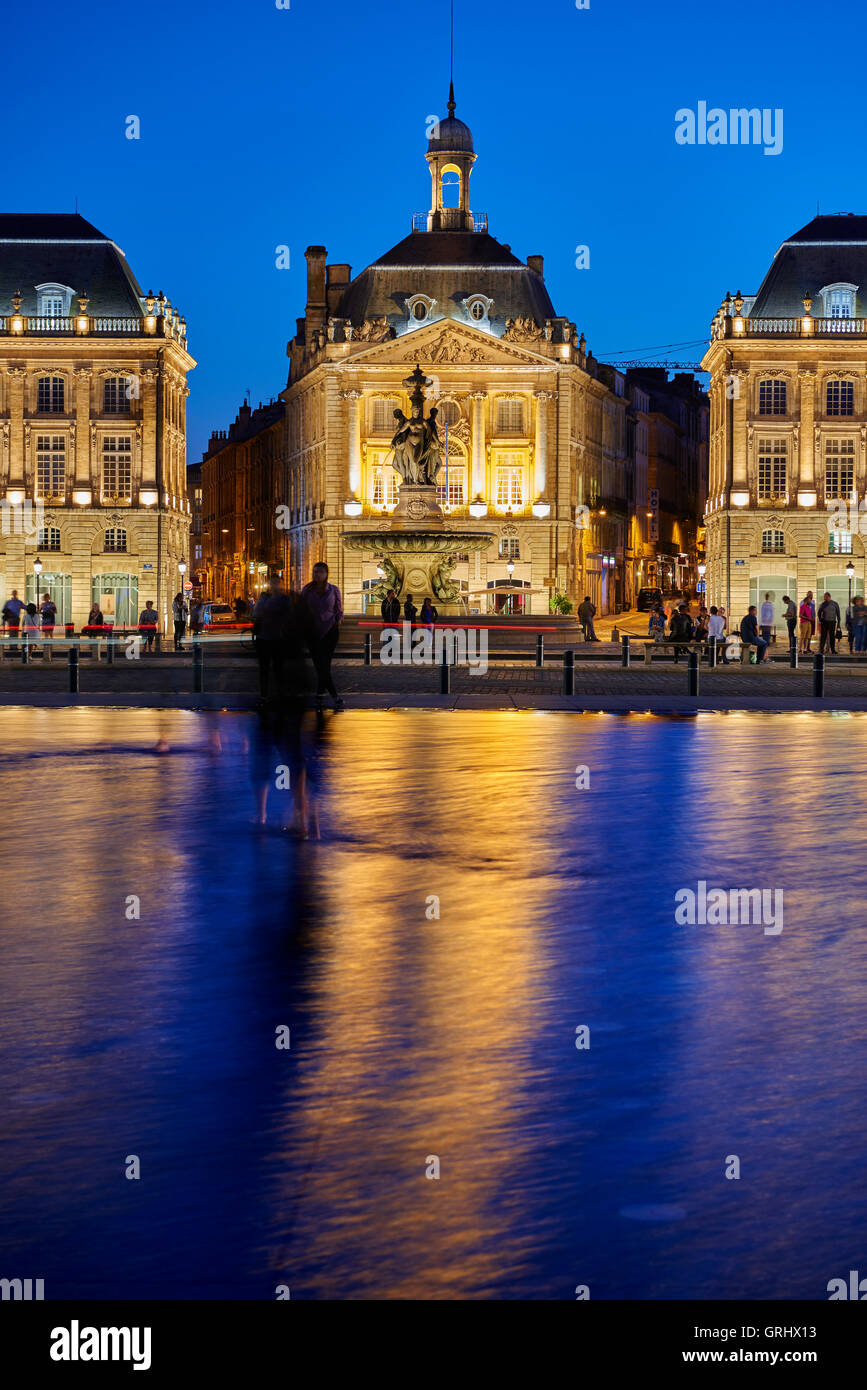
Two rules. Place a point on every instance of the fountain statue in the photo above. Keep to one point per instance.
(416, 553)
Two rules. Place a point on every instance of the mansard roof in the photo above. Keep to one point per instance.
(829, 250)
(448, 267)
(64, 248)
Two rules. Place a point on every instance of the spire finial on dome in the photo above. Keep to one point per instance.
(452, 102)
(452, 59)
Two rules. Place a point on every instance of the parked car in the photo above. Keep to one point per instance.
(220, 617)
(647, 598)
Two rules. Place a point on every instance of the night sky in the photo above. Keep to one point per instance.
(262, 127)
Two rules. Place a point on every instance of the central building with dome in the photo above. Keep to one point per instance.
(536, 430)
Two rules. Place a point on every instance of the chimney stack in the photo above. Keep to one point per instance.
(337, 278)
(316, 257)
(537, 263)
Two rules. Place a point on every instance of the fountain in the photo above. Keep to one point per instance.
(417, 554)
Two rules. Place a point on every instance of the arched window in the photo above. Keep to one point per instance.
(449, 414)
(49, 538)
(772, 397)
(838, 300)
(116, 395)
(450, 186)
(840, 398)
(115, 539)
(773, 542)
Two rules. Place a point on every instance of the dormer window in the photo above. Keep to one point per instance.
(53, 301)
(838, 301)
(478, 308)
(419, 308)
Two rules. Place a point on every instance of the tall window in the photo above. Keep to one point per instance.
(50, 395)
(51, 465)
(772, 397)
(115, 395)
(451, 188)
(382, 416)
(772, 467)
(839, 469)
(509, 481)
(115, 538)
(384, 485)
(773, 542)
(117, 466)
(510, 417)
(455, 495)
(48, 538)
(839, 542)
(840, 398)
(510, 548)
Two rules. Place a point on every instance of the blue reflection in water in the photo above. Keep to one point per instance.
(416, 1035)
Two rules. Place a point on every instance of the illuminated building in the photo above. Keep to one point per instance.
(92, 424)
(788, 442)
(537, 430)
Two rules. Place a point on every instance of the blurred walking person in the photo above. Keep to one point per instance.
(766, 618)
(147, 624)
(179, 617)
(324, 606)
(807, 618)
(790, 613)
(12, 610)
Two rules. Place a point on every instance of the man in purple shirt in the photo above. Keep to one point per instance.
(325, 609)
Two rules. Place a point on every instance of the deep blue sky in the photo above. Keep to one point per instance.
(263, 126)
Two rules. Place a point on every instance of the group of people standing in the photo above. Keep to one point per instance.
(34, 624)
(391, 610)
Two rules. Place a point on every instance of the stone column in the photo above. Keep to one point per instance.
(740, 404)
(477, 484)
(807, 475)
(148, 461)
(541, 450)
(354, 398)
(81, 473)
(16, 426)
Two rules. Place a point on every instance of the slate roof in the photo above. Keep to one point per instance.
(64, 248)
(830, 249)
(447, 266)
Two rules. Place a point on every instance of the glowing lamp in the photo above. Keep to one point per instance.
(15, 497)
(510, 568)
(541, 509)
(850, 570)
(182, 567)
(806, 499)
(740, 499)
(81, 497)
(16, 323)
(353, 507)
(478, 507)
(702, 571)
(807, 325)
(37, 567)
(81, 324)
(148, 499)
(737, 324)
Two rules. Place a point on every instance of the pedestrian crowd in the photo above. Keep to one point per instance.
(756, 628)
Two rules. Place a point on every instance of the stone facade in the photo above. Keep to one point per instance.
(537, 430)
(788, 442)
(92, 425)
(242, 480)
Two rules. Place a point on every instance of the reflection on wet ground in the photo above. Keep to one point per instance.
(415, 1035)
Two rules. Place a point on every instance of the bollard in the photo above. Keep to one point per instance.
(615, 633)
(540, 650)
(368, 658)
(624, 651)
(25, 649)
(445, 674)
(198, 668)
(712, 654)
(818, 675)
(569, 673)
(793, 657)
(692, 673)
(73, 670)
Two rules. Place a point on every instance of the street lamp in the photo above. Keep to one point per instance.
(850, 575)
(37, 570)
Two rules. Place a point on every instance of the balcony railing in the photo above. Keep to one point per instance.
(49, 326)
(801, 326)
(480, 221)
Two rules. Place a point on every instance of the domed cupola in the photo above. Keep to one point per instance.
(451, 157)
